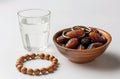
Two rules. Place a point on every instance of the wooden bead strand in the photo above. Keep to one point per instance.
(37, 71)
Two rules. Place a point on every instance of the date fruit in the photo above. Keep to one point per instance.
(75, 33)
(85, 41)
(72, 43)
(103, 40)
(61, 39)
(95, 36)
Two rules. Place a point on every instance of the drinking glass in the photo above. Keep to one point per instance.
(34, 28)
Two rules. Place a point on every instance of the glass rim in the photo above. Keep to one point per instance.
(18, 13)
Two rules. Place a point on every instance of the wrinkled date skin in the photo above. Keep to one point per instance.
(72, 43)
(61, 39)
(96, 37)
(75, 33)
(85, 41)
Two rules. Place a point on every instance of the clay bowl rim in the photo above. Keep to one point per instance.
(82, 51)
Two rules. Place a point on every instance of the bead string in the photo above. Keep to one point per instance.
(37, 71)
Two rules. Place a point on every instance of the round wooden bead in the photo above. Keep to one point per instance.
(43, 70)
(36, 71)
(27, 57)
(41, 55)
(19, 64)
(54, 66)
(32, 55)
(19, 67)
(50, 69)
(55, 59)
(47, 56)
(21, 59)
(54, 62)
(29, 71)
(51, 57)
(24, 70)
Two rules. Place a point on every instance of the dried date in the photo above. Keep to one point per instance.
(85, 41)
(103, 40)
(61, 39)
(95, 36)
(72, 43)
(75, 33)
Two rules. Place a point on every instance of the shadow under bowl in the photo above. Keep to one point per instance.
(82, 56)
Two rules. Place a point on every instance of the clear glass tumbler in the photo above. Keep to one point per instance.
(34, 27)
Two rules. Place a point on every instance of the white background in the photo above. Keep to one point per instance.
(104, 14)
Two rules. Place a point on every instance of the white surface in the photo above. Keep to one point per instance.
(104, 14)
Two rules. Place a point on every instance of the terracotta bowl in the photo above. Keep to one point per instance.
(82, 56)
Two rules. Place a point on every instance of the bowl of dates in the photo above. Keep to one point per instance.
(81, 44)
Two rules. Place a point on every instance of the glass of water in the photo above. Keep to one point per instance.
(34, 27)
